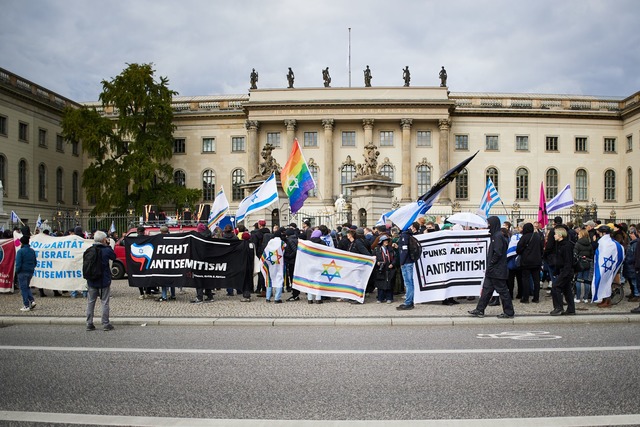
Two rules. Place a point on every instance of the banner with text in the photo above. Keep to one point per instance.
(59, 262)
(7, 264)
(452, 264)
(186, 260)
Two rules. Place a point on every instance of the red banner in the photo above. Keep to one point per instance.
(7, 264)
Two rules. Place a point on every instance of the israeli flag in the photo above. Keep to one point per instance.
(15, 218)
(406, 215)
(261, 198)
(39, 223)
(563, 199)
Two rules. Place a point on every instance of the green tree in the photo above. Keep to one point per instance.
(129, 154)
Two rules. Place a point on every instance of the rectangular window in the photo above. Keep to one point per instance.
(42, 137)
(3, 125)
(609, 145)
(348, 139)
(311, 139)
(491, 143)
(74, 148)
(522, 142)
(23, 132)
(551, 143)
(386, 138)
(581, 144)
(629, 142)
(208, 145)
(237, 144)
(462, 142)
(273, 138)
(179, 146)
(59, 143)
(424, 138)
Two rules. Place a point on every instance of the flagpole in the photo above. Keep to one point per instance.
(349, 56)
(507, 212)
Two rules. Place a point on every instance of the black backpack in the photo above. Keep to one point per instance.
(415, 249)
(92, 264)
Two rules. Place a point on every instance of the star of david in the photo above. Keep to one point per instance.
(331, 266)
(254, 197)
(271, 256)
(608, 263)
(293, 183)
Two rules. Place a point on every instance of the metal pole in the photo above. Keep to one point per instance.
(349, 56)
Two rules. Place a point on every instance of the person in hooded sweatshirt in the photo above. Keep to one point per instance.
(530, 248)
(496, 274)
(563, 269)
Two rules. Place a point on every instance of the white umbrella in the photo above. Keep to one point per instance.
(468, 219)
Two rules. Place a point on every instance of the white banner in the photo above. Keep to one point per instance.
(452, 264)
(59, 262)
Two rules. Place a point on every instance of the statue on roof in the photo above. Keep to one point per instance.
(443, 77)
(254, 79)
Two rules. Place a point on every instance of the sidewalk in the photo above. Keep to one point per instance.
(127, 309)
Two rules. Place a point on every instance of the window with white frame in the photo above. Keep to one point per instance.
(492, 173)
(551, 178)
(347, 172)
(581, 144)
(462, 184)
(423, 138)
(522, 142)
(273, 138)
(386, 138)
(208, 145)
(313, 170)
(609, 145)
(423, 178)
(237, 180)
(208, 185)
(348, 139)
(551, 143)
(610, 185)
(491, 142)
(522, 184)
(387, 170)
(237, 144)
(462, 142)
(582, 193)
(179, 178)
(310, 139)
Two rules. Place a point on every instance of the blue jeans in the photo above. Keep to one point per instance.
(407, 276)
(583, 285)
(164, 292)
(278, 293)
(24, 279)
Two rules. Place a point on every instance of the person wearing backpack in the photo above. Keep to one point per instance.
(406, 265)
(25, 265)
(100, 286)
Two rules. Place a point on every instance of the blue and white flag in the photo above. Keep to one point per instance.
(272, 263)
(261, 198)
(15, 218)
(489, 198)
(513, 243)
(39, 223)
(607, 262)
(405, 216)
(112, 229)
(563, 199)
(219, 209)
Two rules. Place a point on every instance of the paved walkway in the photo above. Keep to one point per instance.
(126, 308)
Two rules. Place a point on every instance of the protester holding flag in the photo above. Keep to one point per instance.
(563, 269)
(607, 262)
(272, 269)
(496, 273)
(296, 179)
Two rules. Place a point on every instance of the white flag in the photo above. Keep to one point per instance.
(219, 209)
(112, 229)
(607, 261)
(39, 222)
(261, 198)
(272, 263)
(15, 217)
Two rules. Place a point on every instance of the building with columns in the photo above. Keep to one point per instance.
(591, 143)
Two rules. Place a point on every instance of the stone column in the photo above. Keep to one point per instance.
(406, 159)
(367, 125)
(328, 161)
(253, 149)
(291, 134)
(443, 158)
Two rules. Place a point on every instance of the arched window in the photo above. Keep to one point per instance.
(179, 178)
(208, 185)
(492, 173)
(75, 188)
(423, 178)
(22, 179)
(237, 179)
(462, 184)
(551, 181)
(313, 170)
(59, 185)
(522, 184)
(581, 185)
(3, 173)
(42, 182)
(629, 184)
(347, 172)
(609, 186)
(387, 170)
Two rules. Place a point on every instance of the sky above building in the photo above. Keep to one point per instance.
(207, 47)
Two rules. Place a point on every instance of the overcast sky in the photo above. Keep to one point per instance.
(208, 47)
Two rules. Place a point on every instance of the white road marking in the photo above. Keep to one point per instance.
(112, 420)
(317, 351)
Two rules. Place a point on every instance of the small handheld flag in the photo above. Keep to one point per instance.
(489, 198)
(261, 198)
(219, 209)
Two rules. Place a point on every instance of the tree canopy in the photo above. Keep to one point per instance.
(129, 155)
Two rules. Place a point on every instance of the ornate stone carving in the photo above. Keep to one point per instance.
(290, 124)
(367, 123)
(269, 165)
(348, 162)
(251, 124)
(327, 124)
(406, 123)
(424, 162)
(369, 168)
(444, 124)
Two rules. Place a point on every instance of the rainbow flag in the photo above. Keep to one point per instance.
(331, 272)
(272, 263)
(296, 178)
(219, 209)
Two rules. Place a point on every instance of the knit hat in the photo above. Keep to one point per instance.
(246, 235)
(262, 222)
(590, 223)
(201, 227)
(557, 220)
(316, 233)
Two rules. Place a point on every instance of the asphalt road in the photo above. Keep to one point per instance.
(477, 375)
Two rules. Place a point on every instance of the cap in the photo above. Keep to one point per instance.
(382, 239)
(78, 230)
(246, 235)
(307, 222)
(262, 222)
(353, 227)
(557, 220)
(604, 229)
(293, 225)
(610, 225)
(590, 223)
(316, 233)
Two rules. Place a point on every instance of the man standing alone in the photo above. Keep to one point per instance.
(496, 274)
(102, 286)
(406, 266)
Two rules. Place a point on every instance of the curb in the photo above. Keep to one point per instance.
(324, 321)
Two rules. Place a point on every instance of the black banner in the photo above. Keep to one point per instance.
(186, 260)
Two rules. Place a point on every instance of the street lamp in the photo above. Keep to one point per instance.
(613, 214)
(515, 212)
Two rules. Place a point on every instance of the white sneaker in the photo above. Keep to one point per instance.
(586, 301)
(32, 305)
(25, 308)
(577, 300)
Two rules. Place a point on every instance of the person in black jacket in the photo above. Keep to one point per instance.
(563, 270)
(530, 250)
(496, 274)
